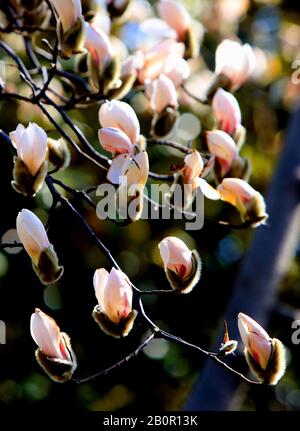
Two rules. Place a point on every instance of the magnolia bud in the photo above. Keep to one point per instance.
(265, 355)
(189, 175)
(248, 201)
(227, 111)
(163, 94)
(70, 26)
(104, 68)
(54, 354)
(193, 166)
(177, 70)
(34, 238)
(115, 141)
(182, 266)
(223, 147)
(58, 153)
(128, 76)
(121, 116)
(164, 103)
(30, 167)
(130, 174)
(234, 61)
(175, 15)
(114, 312)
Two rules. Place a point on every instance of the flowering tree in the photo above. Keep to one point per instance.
(80, 55)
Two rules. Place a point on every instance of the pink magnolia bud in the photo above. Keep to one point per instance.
(265, 355)
(175, 14)
(121, 116)
(48, 337)
(237, 192)
(227, 111)
(191, 171)
(98, 45)
(248, 201)
(114, 293)
(115, 141)
(235, 61)
(68, 12)
(193, 166)
(176, 256)
(163, 94)
(32, 234)
(255, 339)
(177, 69)
(223, 147)
(31, 146)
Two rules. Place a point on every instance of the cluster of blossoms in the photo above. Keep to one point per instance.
(157, 63)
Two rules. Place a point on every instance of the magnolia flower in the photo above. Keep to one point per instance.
(227, 111)
(135, 169)
(235, 61)
(120, 115)
(68, 12)
(58, 153)
(191, 176)
(98, 45)
(176, 69)
(48, 337)
(176, 256)
(32, 234)
(223, 147)
(114, 293)
(156, 57)
(265, 355)
(115, 141)
(182, 266)
(114, 312)
(34, 238)
(130, 174)
(193, 166)
(255, 339)
(54, 354)
(175, 14)
(163, 94)
(248, 201)
(31, 146)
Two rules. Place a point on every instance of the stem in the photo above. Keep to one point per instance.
(66, 204)
(170, 144)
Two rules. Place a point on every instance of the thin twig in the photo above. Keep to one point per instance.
(119, 363)
(170, 144)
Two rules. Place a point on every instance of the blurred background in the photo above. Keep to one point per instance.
(161, 377)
